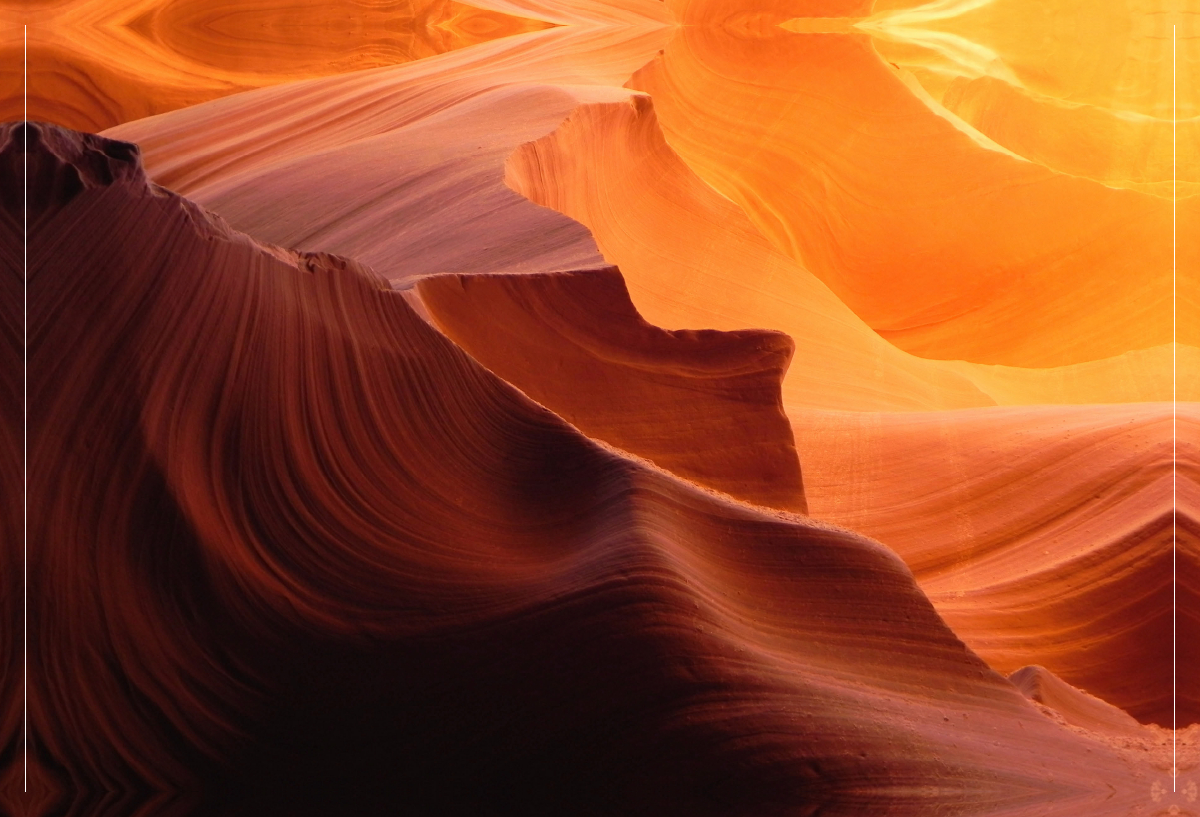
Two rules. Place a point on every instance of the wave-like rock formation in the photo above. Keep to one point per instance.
(395, 196)
(609, 167)
(1073, 705)
(1112, 92)
(1026, 574)
(702, 404)
(946, 247)
(485, 495)
(93, 64)
(291, 540)
(1045, 535)
(410, 162)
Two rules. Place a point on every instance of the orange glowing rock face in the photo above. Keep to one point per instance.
(94, 64)
(611, 407)
(946, 248)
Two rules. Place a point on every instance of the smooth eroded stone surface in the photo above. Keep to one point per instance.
(1046, 535)
(97, 63)
(408, 161)
(948, 248)
(703, 404)
(1075, 706)
(292, 540)
(691, 257)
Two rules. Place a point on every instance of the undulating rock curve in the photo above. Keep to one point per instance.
(93, 65)
(704, 404)
(1046, 535)
(948, 249)
(327, 549)
(609, 166)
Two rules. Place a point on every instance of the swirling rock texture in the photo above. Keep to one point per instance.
(985, 542)
(94, 64)
(328, 543)
(708, 403)
(721, 407)
(975, 253)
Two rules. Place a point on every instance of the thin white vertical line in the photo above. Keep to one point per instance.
(1174, 772)
(25, 433)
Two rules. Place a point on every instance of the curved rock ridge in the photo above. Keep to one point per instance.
(609, 167)
(1041, 534)
(419, 188)
(1094, 89)
(409, 160)
(1091, 68)
(410, 197)
(592, 168)
(702, 404)
(948, 248)
(1089, 716)
(1075, 706)
(97, 63)
(292, 540)
(56, 165)
(188, 149)
(422, 143)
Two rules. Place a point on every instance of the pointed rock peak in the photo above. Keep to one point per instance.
(60, 163)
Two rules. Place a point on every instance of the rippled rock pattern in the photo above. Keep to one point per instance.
(601, 407)
(94, 64)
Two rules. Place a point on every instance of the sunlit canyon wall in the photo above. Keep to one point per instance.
(600, 407)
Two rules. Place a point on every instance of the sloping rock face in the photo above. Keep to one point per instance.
(705, 405)
(726, 407)
(1064, 536)
(287, 539)
(949, 249)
